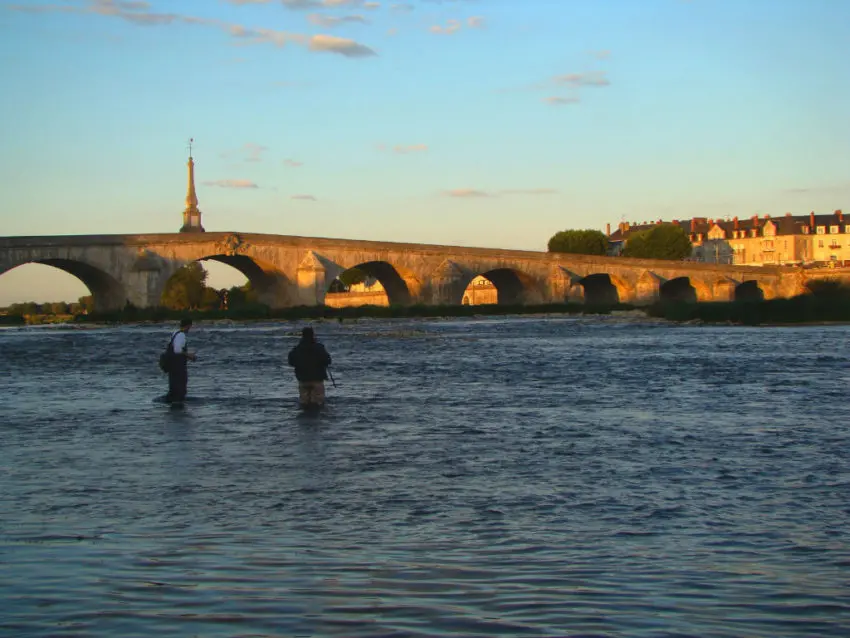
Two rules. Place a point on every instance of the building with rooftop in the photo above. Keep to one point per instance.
(757, 241)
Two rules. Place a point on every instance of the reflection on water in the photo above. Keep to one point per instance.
(537, 476)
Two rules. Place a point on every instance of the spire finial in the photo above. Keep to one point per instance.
(191, 141)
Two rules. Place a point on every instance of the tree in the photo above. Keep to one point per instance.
(59, 308)
(87, 303)
(241, 296)
(352, 276)
(663, 241)
(579, 242)
(185, 288)
(21, 309)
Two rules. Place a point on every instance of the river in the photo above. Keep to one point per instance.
(534, 476)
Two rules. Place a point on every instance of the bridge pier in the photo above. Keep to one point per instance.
(446, 285)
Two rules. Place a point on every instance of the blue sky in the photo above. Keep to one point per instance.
(474, 122)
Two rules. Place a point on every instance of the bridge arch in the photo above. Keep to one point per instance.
(270, 284)
(602, 289)
(513, 287)
(107, 292)
(399, 285)
(687, 289)
(749, 291)
(678, 289)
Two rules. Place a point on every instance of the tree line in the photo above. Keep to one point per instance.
(662, 241)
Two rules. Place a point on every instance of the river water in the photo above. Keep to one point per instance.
(543, 476)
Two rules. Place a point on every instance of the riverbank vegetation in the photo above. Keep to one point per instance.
(823, 301)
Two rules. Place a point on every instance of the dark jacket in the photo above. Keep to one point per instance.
(310, 360)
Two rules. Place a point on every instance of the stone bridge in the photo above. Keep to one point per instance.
(292, 271)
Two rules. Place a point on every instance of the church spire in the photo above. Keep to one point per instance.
(191, 214)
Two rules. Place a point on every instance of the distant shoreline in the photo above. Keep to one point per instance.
(802, 310)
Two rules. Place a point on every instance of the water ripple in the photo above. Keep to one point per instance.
(535, 476)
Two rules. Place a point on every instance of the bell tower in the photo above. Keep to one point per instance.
(191, 214)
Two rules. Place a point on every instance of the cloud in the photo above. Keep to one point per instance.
(561, 101)
(452, 26)
(407, 150)
(466, 192)
(138, 12)
(837, 187)
(292, 163)
(591, 78)
(309, 198)
(604, 54)
(475, 22)
(343, 46)
(231, 183)
(471, 192)
(316, 4)
(254, 151)
(401, 7)
(333, 21)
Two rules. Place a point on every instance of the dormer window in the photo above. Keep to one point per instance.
(754, 232)
(805, 230)
(833, 230)
(821, 230)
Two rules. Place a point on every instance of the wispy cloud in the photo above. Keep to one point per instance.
(823, 188)
(557, 100)
(590, 78)
(310, 198)
(451, 26)
(231, 183)
(312, 4)
(603, 54)
(139, 12)
(466, 192)
(292, 163)
(323, 20)
(249, 152)
(471, 192)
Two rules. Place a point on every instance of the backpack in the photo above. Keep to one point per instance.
(165, 357)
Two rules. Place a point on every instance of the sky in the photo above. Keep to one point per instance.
(491, 123)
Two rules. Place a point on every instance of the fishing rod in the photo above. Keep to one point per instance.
(330, 374)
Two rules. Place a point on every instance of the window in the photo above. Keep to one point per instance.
(821, 230)
(754, 232)
(805, 230)
(820, 243)
(833, 230)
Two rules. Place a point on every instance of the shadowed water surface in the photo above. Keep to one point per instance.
(544, 476)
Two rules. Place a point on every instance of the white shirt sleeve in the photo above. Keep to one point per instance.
(180, 342)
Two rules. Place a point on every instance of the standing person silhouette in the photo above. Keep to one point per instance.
(178, 368)
(311, 361)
